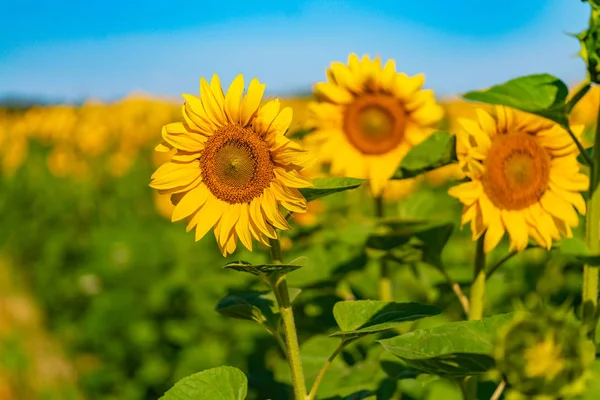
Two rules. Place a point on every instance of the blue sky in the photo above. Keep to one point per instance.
(71, 50)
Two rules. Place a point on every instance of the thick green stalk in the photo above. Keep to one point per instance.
(476, 303)
(385, 280)
(279, 286)
(592, 231)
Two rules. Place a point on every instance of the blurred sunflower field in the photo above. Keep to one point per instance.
(372, 240)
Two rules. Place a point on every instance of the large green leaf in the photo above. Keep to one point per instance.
(540, 94)
(455, 349)
(266, 269)
(434, 152)
(577, 248)
(363, 317)
(326, 186)
(222, 383)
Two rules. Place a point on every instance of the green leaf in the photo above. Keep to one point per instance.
(578, 249)
(260, 307)
(433, 235)
(326, 186)
(455, 349)
(362, 317)
(386, 241)
(267, 269)
(434, 152)
(541, 94)
(435, 239)
(251, 306)
(222, 383)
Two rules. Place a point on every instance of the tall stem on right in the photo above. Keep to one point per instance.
(592, 230)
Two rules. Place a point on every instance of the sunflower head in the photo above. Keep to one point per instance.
(231, 166)
(543, 352)
(368, 117)
(524, 178)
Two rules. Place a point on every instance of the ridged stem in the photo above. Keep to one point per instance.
(279, 286)
(592, 232)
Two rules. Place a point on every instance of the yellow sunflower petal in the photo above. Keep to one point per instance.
(242, 228)
(575, 198)
(343, 76)
(467, 192)
(183, 140)
(233, 99)
(515, 224)
(333, 93)
(493, 235)
(388, 76)
(406, 87)
(486, 121)
(477, 225)
(271, 210)
(281, 123)
(265, 116)
(228, 221)
(208, 216)
(291, 178)
(171, 175)
(192, 201)
(195, 116)
(213, 109)
(559, 208)
(251, 101)
(258, 217)
(217, 90)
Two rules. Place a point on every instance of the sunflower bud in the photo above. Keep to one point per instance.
(590, 39)
(544, 355)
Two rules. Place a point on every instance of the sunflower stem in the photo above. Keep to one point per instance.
(478, 287)
(385, 280)
(586, 157)
(476, 302)
(592, 234)
(279, 286)
(321, 374)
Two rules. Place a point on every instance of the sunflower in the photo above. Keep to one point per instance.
(524, 178)
(368, 117)
(233, 166)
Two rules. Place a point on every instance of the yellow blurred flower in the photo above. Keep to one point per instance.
(369, 117)
(524, 178)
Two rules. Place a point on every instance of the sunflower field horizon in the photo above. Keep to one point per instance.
(371, 239)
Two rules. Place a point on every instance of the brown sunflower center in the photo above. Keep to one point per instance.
(375, 123)
(236, 164)
(517, 171)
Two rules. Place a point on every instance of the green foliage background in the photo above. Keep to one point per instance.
(131, 298)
